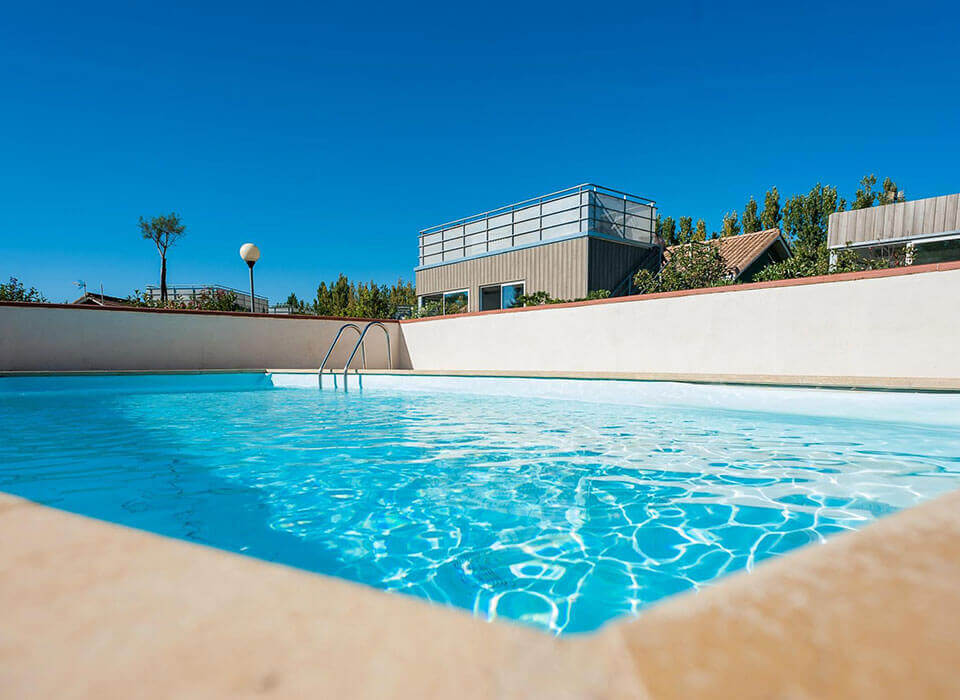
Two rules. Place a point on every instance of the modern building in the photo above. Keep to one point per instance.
(745, 255)
(568, 244)
(188, 292)
(923, 230)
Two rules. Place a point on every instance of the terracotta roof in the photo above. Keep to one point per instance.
(739, 252)
(94, 299)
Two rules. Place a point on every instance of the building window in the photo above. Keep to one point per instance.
(500, 296)
(446, 303)
(455, 302)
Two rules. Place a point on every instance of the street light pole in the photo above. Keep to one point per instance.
(249, 253)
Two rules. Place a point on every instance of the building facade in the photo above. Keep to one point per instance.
(923, 230)
(568, 244)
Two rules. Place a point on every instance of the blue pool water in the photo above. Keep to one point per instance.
(561, 514)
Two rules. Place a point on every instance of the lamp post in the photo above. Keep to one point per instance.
(250, 254)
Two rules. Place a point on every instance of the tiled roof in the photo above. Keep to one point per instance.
(94, 299)
(739, 252)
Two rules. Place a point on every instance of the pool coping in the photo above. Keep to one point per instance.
(98, 609)
(925, 384)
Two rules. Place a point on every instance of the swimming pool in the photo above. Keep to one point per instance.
(561, 504)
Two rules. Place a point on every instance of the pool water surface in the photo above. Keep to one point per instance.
(556, 513)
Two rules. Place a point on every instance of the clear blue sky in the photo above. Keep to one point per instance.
(330, 133)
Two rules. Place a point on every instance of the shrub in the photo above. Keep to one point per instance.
(691, 266)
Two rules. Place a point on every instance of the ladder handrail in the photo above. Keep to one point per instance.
(363, 352)
(386, 334)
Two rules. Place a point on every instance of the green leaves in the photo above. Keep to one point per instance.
(360, 300)
(751, 221)
(730, 225)
(164, 231)
(691, 266)
(15, 291)
(770, 216)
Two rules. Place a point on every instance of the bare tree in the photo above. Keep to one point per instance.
(164, 231)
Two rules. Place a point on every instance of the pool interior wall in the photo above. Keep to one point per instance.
(561, 504)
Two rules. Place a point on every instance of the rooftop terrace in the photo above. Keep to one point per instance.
(586, 209)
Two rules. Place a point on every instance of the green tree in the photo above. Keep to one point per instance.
(700, 233)
(15, 291)
(164, 231)
(296, 304)
(865, 197)
(751, 221)
(363, 300)
(691, 266)
(770, 216)
(685, 234)
(342, 294)
(891, 193)
(668, 231)
(730, 226)
(805, 217)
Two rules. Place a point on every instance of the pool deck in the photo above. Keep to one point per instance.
(93, 609)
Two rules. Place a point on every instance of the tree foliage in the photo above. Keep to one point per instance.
(14, 290)
(214, 300)
(691, 266)
(770, 216)
(164, 232)
(361, 300)
(700, 233)
(543, 298)
(668, 231)
(730, 225)
(751, 220)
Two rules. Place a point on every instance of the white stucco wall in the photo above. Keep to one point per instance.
(46, 338)
(897, 326)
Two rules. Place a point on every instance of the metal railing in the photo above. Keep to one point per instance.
(586, 208)
(363, 352)
(187, 292)
(386, 334)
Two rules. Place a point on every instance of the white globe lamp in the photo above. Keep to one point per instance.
(249, 253)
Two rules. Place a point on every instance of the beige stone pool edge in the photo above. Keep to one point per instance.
(813, 381)
(93, 609)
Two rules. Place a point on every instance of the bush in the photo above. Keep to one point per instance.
(814, 262)
(219, 300)
(691, 266)
(543, 298)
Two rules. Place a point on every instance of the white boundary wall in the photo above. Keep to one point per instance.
(50, 338)
(905, 325)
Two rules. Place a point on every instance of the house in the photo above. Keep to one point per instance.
(95, 299)
(745, 255)
(924, 230)
(568, 244)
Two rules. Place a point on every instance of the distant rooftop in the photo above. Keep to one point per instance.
(586, 209)
(933, 217)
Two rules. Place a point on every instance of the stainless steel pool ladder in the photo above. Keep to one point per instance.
(363, 352)
(386, 334)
